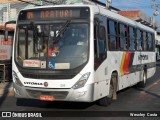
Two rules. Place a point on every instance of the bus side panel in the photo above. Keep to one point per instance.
(148, 60)
(103, 74)
(151, 72)
(101, 89)
(128, 75)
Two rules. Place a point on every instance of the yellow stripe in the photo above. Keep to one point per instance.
(122, 63)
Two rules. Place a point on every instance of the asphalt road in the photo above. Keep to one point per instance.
(131, 99)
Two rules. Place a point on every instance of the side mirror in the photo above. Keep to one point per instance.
(6, 31)
(6, 35)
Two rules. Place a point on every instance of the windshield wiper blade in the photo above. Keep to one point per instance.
(37, 38)
(61, 31)
(34, 29)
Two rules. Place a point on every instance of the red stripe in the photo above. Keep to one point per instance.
(126, 62)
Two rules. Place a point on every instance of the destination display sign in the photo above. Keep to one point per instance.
(54, 13)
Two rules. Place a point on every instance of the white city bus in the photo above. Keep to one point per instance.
(79, 52)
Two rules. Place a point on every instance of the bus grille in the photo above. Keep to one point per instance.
(58, 95)
(38, 76)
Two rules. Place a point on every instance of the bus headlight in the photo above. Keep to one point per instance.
(16, 79)
(81, 82)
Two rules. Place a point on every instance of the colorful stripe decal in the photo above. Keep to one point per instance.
(122, 62)
(126, 62)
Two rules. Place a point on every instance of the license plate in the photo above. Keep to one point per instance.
(46, 98)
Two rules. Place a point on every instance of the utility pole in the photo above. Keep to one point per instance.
(8, 12)
(108, 3)
(155, 6)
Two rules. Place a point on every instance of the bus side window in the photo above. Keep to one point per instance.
(102, 43)
(142, 46)
(139, 45)
(100, 50)
(147, 47)
(95, 42)
(123, 36)
(126, 37)
(131, 39)
(112, 42)
(150, 42)
(144, 41)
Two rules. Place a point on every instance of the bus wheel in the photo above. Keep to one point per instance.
(142, 83)
(112, 92)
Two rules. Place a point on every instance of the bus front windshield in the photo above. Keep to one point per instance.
(60, 45)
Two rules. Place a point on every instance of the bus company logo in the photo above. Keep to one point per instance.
(45, 84)
(143, 57)
(33, 83)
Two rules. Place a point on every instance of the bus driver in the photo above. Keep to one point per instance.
(82, 40)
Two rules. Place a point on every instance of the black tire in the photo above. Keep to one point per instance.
(142, 83)
(108, 99)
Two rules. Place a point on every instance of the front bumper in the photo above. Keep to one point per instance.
(84, 94)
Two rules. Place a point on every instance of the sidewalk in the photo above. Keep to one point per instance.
(6, 89)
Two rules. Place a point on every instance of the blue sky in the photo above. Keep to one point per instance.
(143, 5)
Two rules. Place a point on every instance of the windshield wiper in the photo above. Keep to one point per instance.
(34, 29)
(38, 38)
(62, 30)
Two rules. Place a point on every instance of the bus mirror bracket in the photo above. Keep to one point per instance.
(6, 35)
(6, 30)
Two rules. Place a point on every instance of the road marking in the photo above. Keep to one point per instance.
(146, 90)
(150, 86)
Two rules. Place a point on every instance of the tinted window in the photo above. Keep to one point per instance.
(112, 35)
(102, 39)
(131, 39)
(100, 49)
(150, 42)
(144, 41)
(123, 36)
(139, 40)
